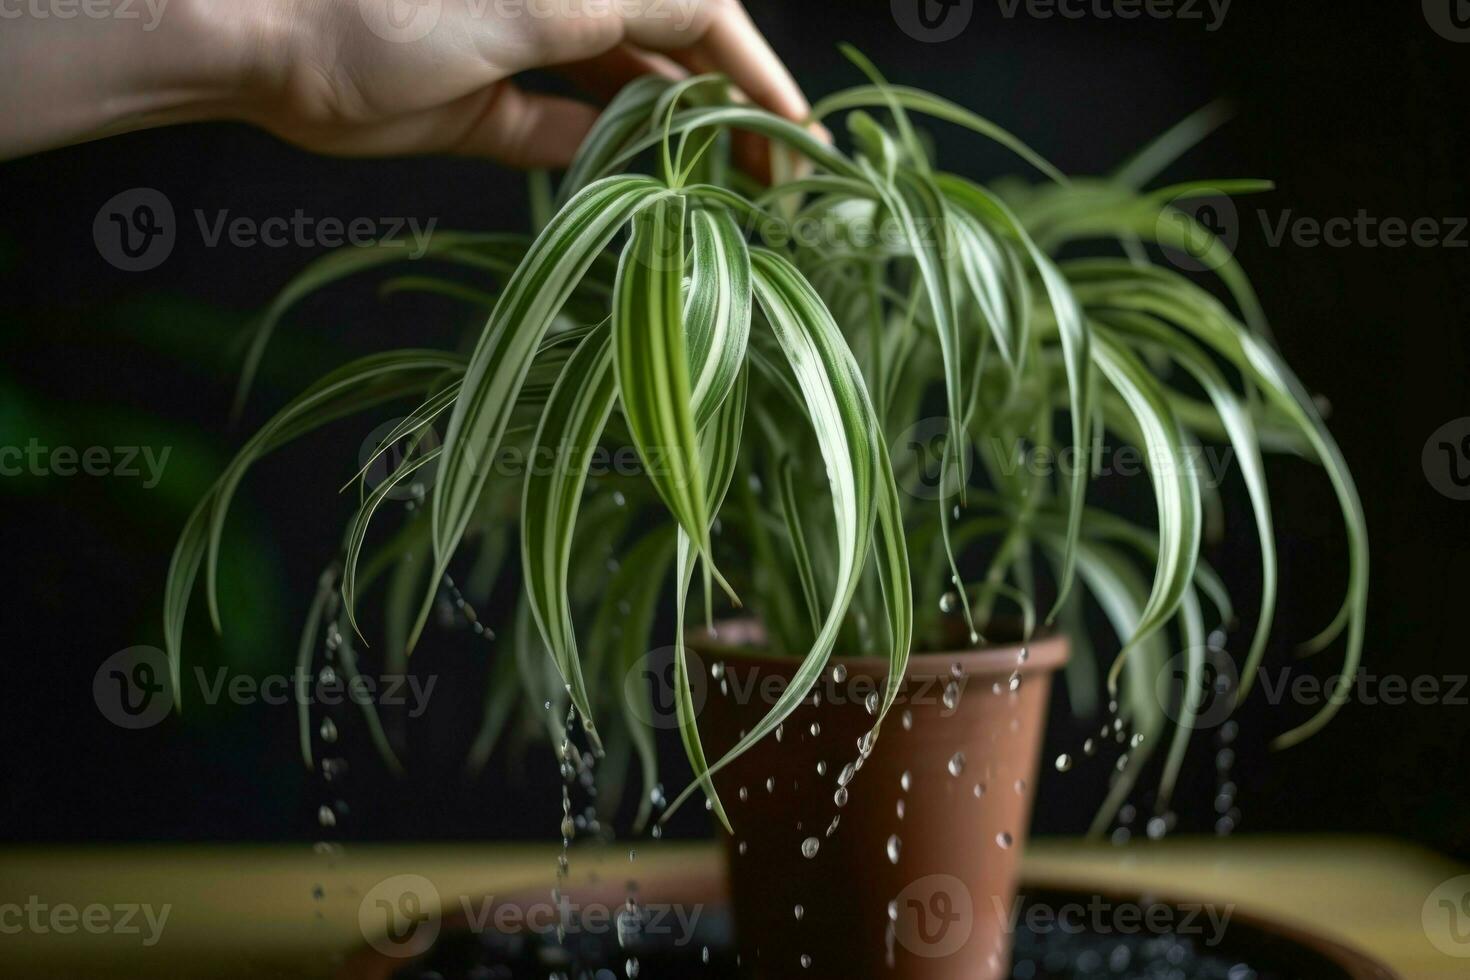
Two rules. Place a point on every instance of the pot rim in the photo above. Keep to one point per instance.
(1048, 650)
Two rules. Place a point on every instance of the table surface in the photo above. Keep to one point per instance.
(250, 911)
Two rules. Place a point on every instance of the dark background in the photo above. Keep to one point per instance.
(1346, 107)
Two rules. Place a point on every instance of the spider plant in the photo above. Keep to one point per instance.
(760, 349)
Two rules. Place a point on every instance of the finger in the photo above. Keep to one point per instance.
(734, 46)
(524, 129)
(604, 75)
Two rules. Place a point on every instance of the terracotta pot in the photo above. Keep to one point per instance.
(920, 873)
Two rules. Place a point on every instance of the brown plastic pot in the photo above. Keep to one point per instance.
(934, 903)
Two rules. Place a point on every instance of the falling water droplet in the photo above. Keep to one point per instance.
(1064, 762)
(1136, 740)
(840, 797)
(809, 847)
(821, 768)
(951, 695)
(948, 602)
(906, 781)
(979, 790)
(632, 967)
(957, 763)
(325, 816)
(1004, 839)
(1024, 655)
(717, 670)
(1089, 747)
(894, 846)
(907, 720)
(1014, 684)
(816, 729)
(899, 809)
(800, 913)
(1156, 828)
(806, 961)
(839, 673)
(872, 703)
(329, 730)
(770, 784)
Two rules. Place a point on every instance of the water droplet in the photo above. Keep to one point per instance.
(325, 816)
(632, 855)
(948, 602)
(717, 671)
(1136, 740)
(907, 720)
(840, 797)
(956, 671)
(872, 703)
(658, 832)
(780, 732)
(893, 911)
(906, 781)
(1020, 786)
(547, 706)
(1014, 684)
(770, 784)
(328, 730)
(632, 967)
(839, 673)
(1064, 762)
(806, 961)
(1089, 747)
(894, 846)
(1157, 828)
(568, 828)
(704, 954)
(821, 768)
(979, 790)
(951, 695)
(618, 500)
(327, 676)
(809, 847)
(1024, 655)
(1004, 839)
(816, 729)
(800, 913)
(899, 809)
(845, 776)
(957, 763)
(742, 847)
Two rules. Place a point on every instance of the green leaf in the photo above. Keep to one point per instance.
(502, 357)
(560, 460)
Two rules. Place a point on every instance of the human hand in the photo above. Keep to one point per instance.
(371, 77)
